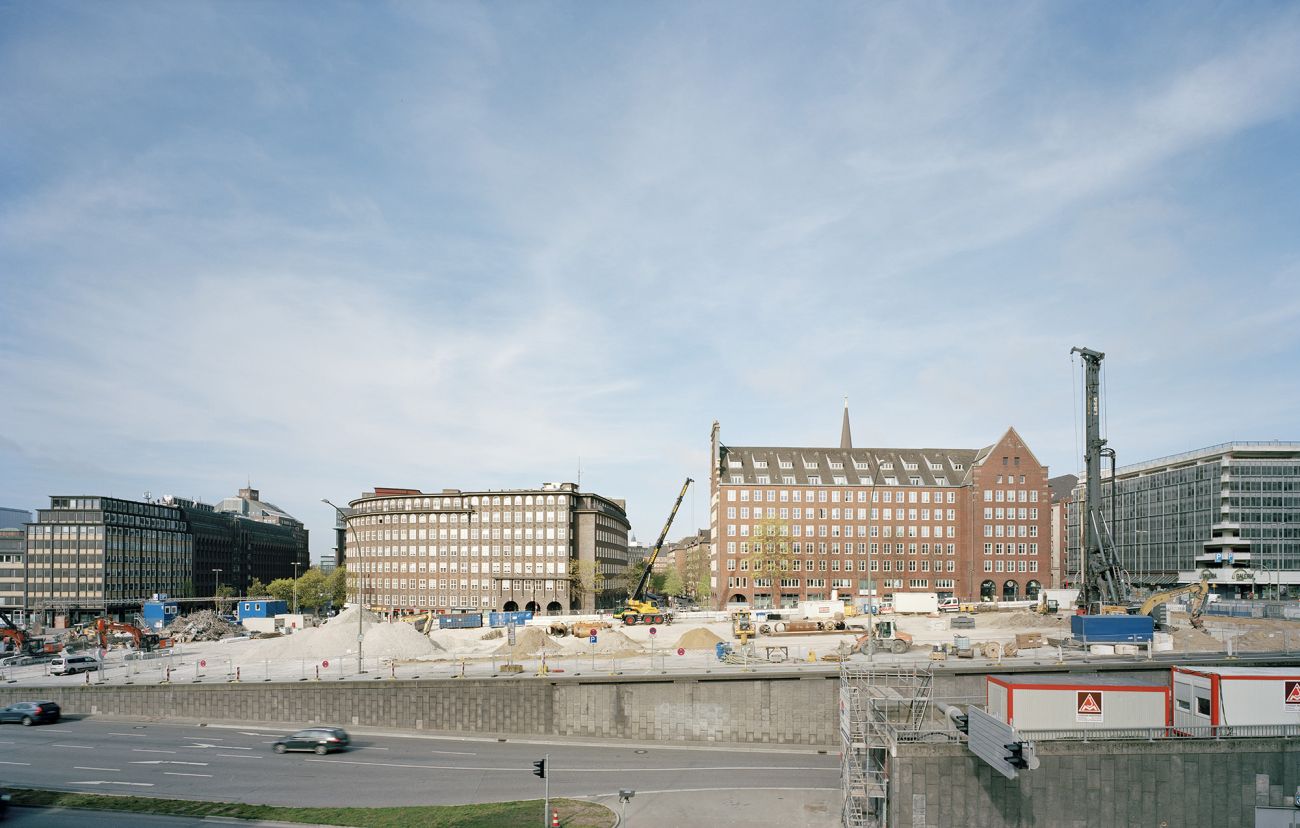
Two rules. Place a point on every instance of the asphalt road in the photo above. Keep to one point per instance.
(683, 787)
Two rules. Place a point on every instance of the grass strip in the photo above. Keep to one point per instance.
(573, 813)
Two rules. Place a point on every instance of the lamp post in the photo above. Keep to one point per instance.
(296, 564)
(360, 610)
(216, 591)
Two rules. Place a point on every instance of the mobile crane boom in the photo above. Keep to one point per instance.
(637, 608)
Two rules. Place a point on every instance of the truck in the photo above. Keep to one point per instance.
(916, 602)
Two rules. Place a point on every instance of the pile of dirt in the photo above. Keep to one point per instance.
(700, 638)
(204, 625)
(529, 641)
(1019, 620)
(397, 640)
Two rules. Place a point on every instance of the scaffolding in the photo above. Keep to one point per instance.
(878, 709)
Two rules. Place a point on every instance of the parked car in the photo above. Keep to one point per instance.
(949, 605)
(321, 740)
(31, 712)
(22, 660)
(67, 665)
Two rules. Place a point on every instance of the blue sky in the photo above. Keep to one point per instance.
(331, 246)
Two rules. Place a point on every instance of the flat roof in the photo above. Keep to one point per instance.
(1280, 672)
(1080, 679)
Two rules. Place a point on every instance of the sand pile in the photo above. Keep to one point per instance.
(529, 641)
(338, 637)
(608, 642)
(399, 640)
(698, 639)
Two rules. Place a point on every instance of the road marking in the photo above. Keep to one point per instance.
(371, 748)
(52, 730)
(15, 763)
(454, 752)
(223, 747)
(737, 788)
(166, 762)
(137, 735)
(150, 750)
(239, 756)
(251, 733)
(111, 782)
(178, 773)
(113, 770)
(78, 747)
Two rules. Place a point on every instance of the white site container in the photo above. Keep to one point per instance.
(1078, 701)
(916, 602)
(1235, 696)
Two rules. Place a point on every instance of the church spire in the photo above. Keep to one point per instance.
(846, 437)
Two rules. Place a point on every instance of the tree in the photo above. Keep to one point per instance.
(314, 589)
(770, 553)
(256, 588)
(673, 584)
(585, 580)
(697, 575)
(338, 586)
(223, 592)
(281, 589)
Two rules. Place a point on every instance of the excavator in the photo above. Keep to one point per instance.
(144, 640)
(20, 642)
(637, 609)
(1155, 602)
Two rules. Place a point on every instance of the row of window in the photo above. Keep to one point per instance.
(798, 548)
(798, 513)
(409, 503)
(527, 568)
(1010, 496)
(885, 565)
(454, 550)
(1000, 531)
(833, 496)
(1011, 548)
(1011, 566)
(834, 531)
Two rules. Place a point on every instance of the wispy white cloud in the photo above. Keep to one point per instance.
(465, 245)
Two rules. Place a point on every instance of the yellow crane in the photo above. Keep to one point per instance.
(637, 609)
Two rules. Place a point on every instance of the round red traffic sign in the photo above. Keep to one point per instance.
(203, 662)
(681, 651)
(592, 632)
(325, 663)
(653, 631)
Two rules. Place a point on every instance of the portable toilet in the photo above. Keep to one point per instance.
(1235, 696)
(1078, 701)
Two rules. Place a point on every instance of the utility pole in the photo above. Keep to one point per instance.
(357, 580)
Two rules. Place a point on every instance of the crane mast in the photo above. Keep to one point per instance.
(1103, 581)
(637, 609)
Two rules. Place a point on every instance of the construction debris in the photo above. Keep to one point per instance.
(204, 625)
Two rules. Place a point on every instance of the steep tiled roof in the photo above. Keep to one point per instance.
(850, 467)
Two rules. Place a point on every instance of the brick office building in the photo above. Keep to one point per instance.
(793, 524)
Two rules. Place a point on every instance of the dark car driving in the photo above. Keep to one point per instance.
(321, 740)
(30, 712)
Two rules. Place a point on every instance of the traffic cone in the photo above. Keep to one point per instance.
(555, 818)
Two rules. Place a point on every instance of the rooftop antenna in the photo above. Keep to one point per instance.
(580, 471)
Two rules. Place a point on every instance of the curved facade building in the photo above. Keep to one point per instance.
(457, 551)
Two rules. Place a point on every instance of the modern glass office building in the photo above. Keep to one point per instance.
(1229, 513)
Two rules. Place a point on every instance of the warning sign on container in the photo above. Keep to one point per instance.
(1088, 706)
(1291, 691)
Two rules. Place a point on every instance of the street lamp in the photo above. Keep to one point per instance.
(296, 564)
(360, 610)
(216, 591)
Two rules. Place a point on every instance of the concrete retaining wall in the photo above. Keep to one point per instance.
(1096, 785)
(786, 710)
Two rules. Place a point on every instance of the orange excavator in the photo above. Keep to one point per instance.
(144, 640)
(21, 642)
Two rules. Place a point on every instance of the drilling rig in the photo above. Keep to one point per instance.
(1104, 585)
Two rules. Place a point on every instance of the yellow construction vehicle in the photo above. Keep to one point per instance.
(742, 626)
(1200, 592)
(639, 607)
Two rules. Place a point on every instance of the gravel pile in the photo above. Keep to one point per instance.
(698, 639)
(338, 637)
(529, 641)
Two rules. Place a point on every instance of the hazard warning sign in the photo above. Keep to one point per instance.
(1291, 695)
(1088, 706)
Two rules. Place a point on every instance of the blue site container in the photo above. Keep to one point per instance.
(262, 608)
(462, 621)
(1112, 629)
(160, 612)
(502, 619)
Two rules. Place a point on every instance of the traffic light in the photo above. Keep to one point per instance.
(539, 769)
(1016, 755)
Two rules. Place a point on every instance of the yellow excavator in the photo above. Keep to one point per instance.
(1200, 592)
(639, 608)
